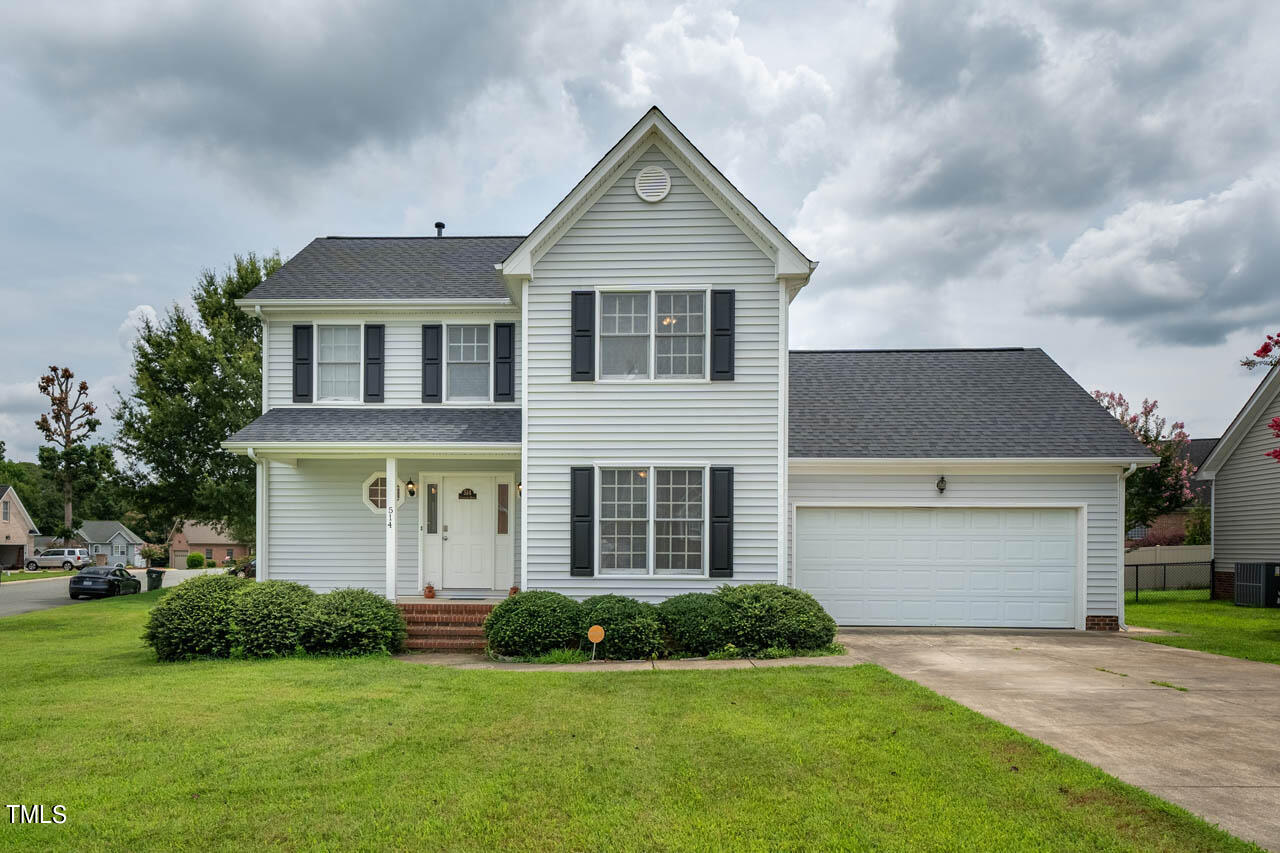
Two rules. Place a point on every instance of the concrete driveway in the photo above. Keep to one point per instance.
(1213, 749)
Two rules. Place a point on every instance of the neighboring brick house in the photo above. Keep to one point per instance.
(203, 539)
(1172, 523)
(17, 530)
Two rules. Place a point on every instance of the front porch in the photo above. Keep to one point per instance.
(392, 525)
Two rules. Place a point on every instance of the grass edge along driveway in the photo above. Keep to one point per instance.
(375, 753)
(1218, 627)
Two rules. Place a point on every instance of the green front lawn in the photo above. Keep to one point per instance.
(1252, 633)
(33, 576)
(377, 753)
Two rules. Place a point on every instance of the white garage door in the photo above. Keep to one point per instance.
(945, 566)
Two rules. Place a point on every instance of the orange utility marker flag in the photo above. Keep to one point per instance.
(595, 634)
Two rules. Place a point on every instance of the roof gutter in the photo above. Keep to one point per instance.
(1133, 467)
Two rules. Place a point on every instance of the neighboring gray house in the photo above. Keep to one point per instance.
(1246, 487)
(110, 543)
(608, 404)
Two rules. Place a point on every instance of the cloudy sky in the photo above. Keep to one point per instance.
(1096, 178)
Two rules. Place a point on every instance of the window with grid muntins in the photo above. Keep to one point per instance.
(378, 493)
(680, 334)
(624, 521)
(338, 362)
(678, 521)
(468, 357)
(624, 334)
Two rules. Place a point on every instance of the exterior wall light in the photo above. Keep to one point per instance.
(941, 484)
(411, 489)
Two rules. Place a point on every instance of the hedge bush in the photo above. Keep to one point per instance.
(696, 623)
(194, 619)
(195, 560)
(530, 624)
(632, 629)
(269, 617)
(763, 615)
(352, 622)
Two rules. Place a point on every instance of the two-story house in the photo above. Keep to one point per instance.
(608, 404)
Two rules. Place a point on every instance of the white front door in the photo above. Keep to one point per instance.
(468, 512)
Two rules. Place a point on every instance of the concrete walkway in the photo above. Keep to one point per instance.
(475, 660)
(1212, 748)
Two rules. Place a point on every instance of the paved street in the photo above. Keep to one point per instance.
(23, 596)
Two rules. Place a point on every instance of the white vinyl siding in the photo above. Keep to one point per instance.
(402, 355)
(1246, 512)
(323, 535)
(1099, 491)
(684, 243)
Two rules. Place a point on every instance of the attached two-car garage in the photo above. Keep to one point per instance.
(956, 566)
(955, 488)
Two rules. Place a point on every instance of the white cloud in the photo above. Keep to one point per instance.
(131, 326)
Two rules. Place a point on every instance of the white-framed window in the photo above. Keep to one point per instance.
(4, 510)
(658, 333)
(374, 492)
(231, 553)
(118, 550)
(652, 520)
(97, 549)
(208, 553)
(468, 355)
(338, 363)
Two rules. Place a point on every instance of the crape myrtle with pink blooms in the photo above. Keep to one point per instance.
(1267, 355)
(1165, 486)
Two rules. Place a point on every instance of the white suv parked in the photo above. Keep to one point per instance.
(60, 558)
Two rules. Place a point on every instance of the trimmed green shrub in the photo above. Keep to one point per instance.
(194, 619)
(696, 622)
(632, 629)
(195, 560)
(530, 624)
(764, 615)
(353, 622)
(269, 617)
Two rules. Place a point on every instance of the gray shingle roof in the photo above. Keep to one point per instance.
(99, 532)
(419, 426)
(392, 268)
(946, 404)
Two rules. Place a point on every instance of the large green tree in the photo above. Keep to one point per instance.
(197, 378)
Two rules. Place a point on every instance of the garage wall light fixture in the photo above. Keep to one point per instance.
(942, 484)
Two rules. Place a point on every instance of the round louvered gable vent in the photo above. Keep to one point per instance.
(653, 183)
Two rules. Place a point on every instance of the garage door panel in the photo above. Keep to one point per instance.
(940, 566)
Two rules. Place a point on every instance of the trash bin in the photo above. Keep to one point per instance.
(155, 577)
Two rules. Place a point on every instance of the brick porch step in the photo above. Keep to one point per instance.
(459, 631)
(445, 626)
(443, 644)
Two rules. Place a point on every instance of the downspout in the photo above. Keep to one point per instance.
(1133, 466)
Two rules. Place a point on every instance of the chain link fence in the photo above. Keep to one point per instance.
(1158, 577)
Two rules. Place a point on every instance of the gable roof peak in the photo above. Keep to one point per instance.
(655, 127)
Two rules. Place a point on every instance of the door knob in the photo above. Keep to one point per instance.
(445, 537)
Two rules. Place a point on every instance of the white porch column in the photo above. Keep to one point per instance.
(391, 528)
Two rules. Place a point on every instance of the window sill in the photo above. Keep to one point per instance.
(622, 380)
(702, 577)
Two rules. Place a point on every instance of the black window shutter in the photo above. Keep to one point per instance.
(582, 501)
(504, 362)
(431, 378)
(721, 523)
(722, 329)
(375, 338)
(584, 336)
(302, 364)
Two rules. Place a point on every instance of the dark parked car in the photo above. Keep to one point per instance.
(101, 581)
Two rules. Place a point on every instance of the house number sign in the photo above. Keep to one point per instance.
(467, 495)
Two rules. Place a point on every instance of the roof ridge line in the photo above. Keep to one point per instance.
(919, 349)
(421, 237)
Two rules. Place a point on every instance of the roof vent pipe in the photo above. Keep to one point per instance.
(439, 229)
